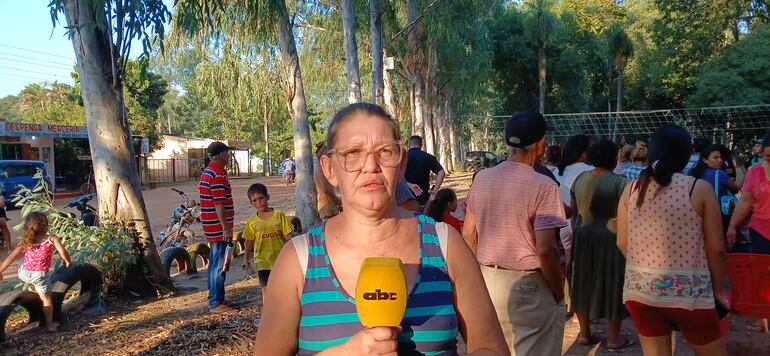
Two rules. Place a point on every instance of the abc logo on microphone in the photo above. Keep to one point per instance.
(381, 292)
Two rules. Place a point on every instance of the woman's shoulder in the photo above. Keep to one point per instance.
(755, 171)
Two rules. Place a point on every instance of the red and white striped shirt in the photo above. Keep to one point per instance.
(214, 189)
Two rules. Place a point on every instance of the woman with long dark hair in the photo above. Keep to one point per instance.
(669, 231)
(596, 271)
(710, 168)
(442, 206)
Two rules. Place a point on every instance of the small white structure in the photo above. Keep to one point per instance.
(181, 157)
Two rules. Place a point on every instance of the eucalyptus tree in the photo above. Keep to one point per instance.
(351, 50)
(102, 32)
(263, 21)
(375, 12)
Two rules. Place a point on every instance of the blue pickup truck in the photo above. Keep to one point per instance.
(16, 173)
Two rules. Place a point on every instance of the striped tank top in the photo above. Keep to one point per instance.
(329, 315)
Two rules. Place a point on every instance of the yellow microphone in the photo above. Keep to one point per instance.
(381, 292)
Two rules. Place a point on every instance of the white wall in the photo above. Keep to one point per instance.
(171, 147)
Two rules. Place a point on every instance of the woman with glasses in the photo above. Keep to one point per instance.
(311, 311)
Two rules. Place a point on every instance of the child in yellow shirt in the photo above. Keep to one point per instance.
(265, 233)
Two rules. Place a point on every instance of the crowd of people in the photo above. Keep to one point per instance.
(592, 229)
(601, 231)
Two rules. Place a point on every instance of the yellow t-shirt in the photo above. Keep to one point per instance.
(267, 236)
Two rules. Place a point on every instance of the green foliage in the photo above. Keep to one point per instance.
(53, 103)
(144, 95)
(110, 247)
(127, 20)
(739, 76)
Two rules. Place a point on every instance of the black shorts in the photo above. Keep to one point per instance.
(2, 214)
(263, 275)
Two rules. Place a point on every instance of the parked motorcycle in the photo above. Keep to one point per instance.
(178, 232)
(88, 214)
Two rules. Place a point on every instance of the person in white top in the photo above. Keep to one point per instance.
(572, 164)
(569, 168)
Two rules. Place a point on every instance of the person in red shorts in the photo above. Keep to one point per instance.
(669, 228)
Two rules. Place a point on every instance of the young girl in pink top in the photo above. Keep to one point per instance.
(37, 247)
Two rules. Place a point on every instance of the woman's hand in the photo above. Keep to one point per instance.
(731, 235)
(720, 296)
(372, 341)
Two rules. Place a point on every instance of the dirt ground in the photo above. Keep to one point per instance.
(181, 324)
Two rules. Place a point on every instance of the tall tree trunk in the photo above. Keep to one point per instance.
(388, 95)
(419, 106)
(305, 191)
(415, 80)
(351, 51)
(428, 109)
(541, 74)
(454, 140)
(446, 132)
(266, 137)
(435, 124)
(443, 133)
(619, 103)
(112, 149)
(431, 97)
(375, 11)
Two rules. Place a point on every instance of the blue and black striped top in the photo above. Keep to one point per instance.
(329, 315)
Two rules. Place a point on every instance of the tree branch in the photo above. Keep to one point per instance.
(409, 25)
(310, 26)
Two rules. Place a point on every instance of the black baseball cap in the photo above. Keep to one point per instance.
(525, 128)
(216, 148)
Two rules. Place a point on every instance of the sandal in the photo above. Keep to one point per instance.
(589, 341)
(613, 348)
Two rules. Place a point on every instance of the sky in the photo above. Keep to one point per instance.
(32, 50)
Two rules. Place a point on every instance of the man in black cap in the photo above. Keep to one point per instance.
(511, 222)
(217, 214)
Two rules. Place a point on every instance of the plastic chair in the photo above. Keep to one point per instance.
(750, 285)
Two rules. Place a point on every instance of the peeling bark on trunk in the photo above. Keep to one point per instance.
(351, 51)
(388, 95)
(419, 106)
(112, 149)
(305, 191)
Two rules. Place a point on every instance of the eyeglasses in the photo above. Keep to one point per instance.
(353, 159)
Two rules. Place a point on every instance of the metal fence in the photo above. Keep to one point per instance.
(155, 170)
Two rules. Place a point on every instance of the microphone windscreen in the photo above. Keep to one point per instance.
(381, 292)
